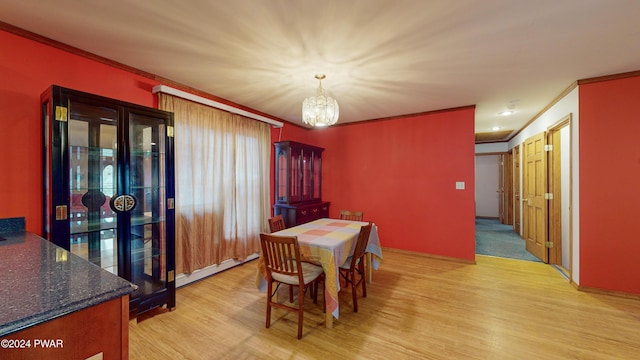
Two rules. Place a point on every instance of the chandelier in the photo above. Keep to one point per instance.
(320, 110)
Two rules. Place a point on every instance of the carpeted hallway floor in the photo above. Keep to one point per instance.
(496, 239)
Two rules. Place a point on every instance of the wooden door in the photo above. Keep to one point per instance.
(534, 202)
(516, 190)
(501, 195)
(559, 186)
(506, 189)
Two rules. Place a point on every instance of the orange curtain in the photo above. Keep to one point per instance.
(222, 163)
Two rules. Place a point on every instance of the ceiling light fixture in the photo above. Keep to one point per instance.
(506, 113)
(320, 110)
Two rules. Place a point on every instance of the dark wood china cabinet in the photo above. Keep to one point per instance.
(109, 189)
(298, 183)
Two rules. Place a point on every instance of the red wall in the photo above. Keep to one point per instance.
(402, 174)
(28, 68)
(610, 185)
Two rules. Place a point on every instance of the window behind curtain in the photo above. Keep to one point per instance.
(222, 183)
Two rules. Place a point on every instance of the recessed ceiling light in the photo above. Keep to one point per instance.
(506, 113)
(495, 128)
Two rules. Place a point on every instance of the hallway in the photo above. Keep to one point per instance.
(496, 239)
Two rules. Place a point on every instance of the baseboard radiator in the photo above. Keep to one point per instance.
(186, 279)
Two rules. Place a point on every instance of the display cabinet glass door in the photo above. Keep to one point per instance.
(147, 174)
(307, 182)
(296, 176)
(282, 176)
(92, 182)
(316, 162)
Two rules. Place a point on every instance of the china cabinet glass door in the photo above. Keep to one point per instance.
(282, 176)
(307, 182)
(92, 182)
(296, 176)
(147, 185)
(316, 162)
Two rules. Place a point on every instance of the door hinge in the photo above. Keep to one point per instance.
(61, 113)
(548, 147)
(548, 196)
(170, 131)
(549, 244)
(61, 212)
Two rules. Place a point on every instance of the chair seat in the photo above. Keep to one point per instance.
(347, 263)
(310, 272)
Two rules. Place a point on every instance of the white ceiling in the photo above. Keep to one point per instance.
(382, 58)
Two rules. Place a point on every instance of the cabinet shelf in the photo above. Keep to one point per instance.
(144, 220)
(85, 151)
(146, 153)
(81, 227)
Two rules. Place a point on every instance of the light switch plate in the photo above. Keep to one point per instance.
(459, 185)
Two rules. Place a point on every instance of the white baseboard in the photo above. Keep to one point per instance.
(186, 279)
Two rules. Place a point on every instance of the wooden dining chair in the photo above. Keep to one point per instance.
(355, 264)
(276, 223)
(280, 254)
(351, 215)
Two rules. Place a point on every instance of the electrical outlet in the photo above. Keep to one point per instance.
(459, 185)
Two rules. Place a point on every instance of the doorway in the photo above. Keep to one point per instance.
(495, 236)
(547, 181)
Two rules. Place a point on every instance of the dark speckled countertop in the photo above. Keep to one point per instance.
(40, 281)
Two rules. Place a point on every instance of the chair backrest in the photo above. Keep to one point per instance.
(361, 244)
(276, 223)
(280, 253)
(351, 215)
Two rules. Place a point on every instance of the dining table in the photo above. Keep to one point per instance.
(329, 242)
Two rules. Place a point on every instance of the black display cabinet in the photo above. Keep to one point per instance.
(109, 189)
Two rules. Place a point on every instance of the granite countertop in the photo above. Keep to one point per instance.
(40, 281)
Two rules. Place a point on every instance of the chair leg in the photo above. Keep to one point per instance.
(363, 279)
(353, 291)
(313, 291)
(269, 294)
(300, 310)
(291, 293)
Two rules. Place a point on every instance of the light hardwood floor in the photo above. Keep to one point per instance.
(416, 308)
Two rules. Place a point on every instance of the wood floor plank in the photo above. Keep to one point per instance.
(416, 308)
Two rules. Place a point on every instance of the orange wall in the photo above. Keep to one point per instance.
(402, 174)
(610, 185)
(28, 68)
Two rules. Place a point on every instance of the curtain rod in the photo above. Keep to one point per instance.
(218, 105)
